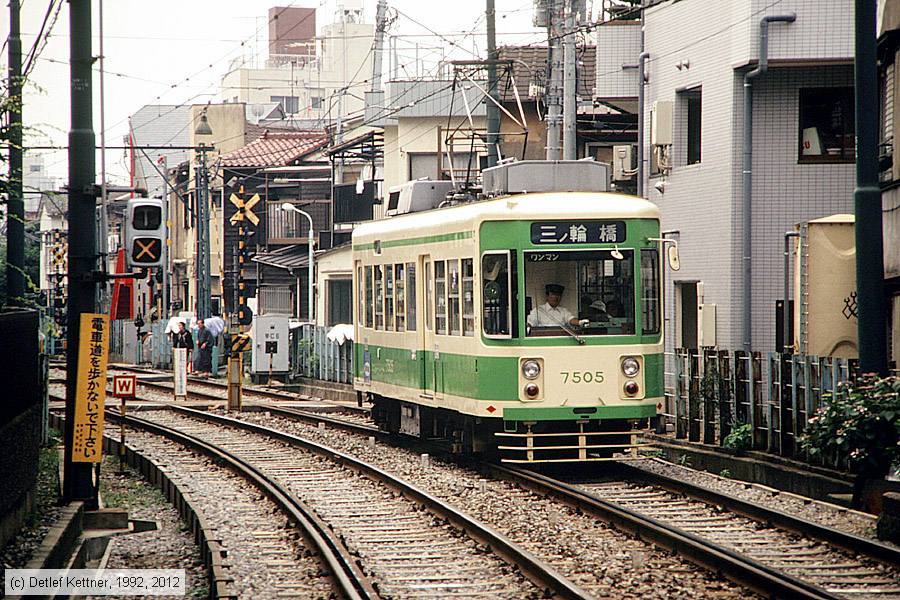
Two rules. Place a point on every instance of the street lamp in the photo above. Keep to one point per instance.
(202, 259)
(288, 207)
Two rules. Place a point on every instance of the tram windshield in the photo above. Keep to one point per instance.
(588, 292)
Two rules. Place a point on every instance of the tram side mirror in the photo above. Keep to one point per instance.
(672, 256)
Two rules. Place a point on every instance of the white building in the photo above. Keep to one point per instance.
(35, 181)
(694, 140)
(319, 84)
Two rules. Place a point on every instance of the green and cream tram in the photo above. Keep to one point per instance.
(458, 339)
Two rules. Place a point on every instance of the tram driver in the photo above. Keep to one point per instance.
(551, 314)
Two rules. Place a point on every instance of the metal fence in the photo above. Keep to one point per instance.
(711, 392)
(316, 357)
(155, 348)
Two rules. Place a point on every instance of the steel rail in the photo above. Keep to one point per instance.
(532, 567)
(223, 386)
(733, 565)
(348, 576)
(869, 548)
(883, 553)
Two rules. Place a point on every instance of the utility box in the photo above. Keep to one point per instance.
(417, 195)
(661, 123)
(271, 348)
(622, 167)
(825, 288)
(519, 177)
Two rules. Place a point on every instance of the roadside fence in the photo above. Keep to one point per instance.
(314, 356)
(711, 392)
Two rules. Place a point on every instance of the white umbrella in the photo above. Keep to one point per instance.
(215, 325)
(172, 325)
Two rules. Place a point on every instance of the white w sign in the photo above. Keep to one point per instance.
(124, 386)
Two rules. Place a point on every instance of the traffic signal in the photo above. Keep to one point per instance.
(145, 233)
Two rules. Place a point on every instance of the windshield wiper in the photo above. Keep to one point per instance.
(564, 327)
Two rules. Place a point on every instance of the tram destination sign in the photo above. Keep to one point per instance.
(578, 232)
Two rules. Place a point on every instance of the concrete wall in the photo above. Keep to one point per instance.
(619, 44)
(511, 138)
(786, 192)
(413, 135)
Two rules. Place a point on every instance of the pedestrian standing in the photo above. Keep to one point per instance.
(182, 339)
(205, 342)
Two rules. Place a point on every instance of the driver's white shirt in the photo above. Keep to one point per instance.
(547, 316)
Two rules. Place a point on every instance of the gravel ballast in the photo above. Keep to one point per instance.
(171, 546)
(589, 552)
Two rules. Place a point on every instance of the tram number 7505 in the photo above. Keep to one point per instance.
(582, 376)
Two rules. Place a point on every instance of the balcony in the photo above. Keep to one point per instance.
(289, 227)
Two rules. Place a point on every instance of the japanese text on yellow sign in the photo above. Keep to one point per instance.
(91, 392)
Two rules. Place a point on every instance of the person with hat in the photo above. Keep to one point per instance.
(551, 314)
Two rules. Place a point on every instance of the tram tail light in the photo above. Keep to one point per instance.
(532, 390)
(632, 388)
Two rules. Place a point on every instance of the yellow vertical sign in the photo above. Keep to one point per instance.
(93, 345)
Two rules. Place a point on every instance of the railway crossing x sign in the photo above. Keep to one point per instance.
(239, 343)
(124, 386)
(244, 209)
(146, 250)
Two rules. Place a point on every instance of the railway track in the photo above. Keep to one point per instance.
(410, 544)
(264, 558)
(771, 552)
(409, 551)
(760, 547)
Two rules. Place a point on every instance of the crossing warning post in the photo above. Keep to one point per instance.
(179, 372)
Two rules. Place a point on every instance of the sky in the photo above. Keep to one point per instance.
(168, 52)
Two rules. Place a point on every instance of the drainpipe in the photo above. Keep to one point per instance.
(786, 308)
(747, 172)
(642, 62)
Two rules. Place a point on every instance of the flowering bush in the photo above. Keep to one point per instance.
(859, 427)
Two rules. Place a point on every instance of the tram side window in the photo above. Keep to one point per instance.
(650, 302)
(468, 298)
(379, 298)
(370, 298)
(360, 297)
(400, 287)
(495, 294)
(389, 297)
(429, 292)
(411, 296)
(453, 296)
(440, 297)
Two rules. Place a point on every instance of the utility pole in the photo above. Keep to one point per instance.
(380, 26)
(77, 480)
(202, 258)
(554, 101)
(165, 269)
(15, 207)
(867, 198)
(104, 298)
(570, 99)
(492, 110)
(338, 139)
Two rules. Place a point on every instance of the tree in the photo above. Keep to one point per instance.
(32, 263)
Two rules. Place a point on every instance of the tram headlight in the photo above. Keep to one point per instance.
(531, 369)
(630, 366)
